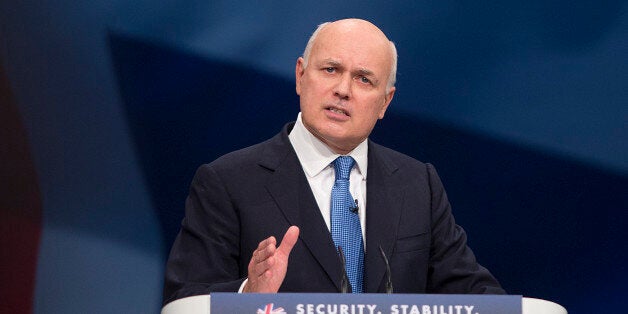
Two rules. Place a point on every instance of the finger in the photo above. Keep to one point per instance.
(262, 269)
(289, 240)
(263, 257)
(260, 261)
(262, 253)
(266, 242)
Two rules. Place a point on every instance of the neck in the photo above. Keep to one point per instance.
(340, 149)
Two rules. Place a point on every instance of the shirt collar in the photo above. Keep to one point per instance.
(314, 155)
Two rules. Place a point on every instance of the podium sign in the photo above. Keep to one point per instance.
(335, 303)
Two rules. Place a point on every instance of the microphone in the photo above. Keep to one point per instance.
(344, 281)
(389, 286)
(356, 208)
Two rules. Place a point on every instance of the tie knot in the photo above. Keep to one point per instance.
(342, 166)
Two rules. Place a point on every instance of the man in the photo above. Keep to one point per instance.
(240, 204)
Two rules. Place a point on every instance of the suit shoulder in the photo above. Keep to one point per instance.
(264, 154)
(237, 160)
(240, 156)
(396, 157)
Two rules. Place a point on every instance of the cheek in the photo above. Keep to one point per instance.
(376, 109)
(368, 119)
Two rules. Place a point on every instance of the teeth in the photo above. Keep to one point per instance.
(337, 111)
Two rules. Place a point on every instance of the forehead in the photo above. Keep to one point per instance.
(361, 47)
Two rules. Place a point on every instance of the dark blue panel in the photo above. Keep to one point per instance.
(185, 111)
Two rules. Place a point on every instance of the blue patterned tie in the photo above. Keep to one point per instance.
(345, 224)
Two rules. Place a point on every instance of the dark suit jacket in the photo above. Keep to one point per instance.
(247, 195)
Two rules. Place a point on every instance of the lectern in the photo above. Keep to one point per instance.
(324, 303)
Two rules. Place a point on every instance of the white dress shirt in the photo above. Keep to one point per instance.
(317, 159)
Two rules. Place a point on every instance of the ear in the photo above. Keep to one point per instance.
(298, 74)
(387, 99)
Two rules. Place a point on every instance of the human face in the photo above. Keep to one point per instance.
(343, 88)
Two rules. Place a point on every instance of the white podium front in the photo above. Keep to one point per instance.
(200, 304)
(539, 306)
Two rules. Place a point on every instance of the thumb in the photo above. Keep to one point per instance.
(289, 240)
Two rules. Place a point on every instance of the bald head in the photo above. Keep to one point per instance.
(348, 84)
(360, 31)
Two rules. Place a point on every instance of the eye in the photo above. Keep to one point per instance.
(365, 80)
(330, 69)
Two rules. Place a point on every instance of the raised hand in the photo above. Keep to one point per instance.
(269, 264)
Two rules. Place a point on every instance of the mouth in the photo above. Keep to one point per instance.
(338, 111)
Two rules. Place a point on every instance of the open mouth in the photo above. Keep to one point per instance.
(338, 111)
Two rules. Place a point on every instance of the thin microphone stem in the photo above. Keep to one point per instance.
(389, 286)
(344, 281)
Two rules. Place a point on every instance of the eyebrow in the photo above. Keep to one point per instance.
(361, 71)
(369, 74)
(365, 72)
(331, 62)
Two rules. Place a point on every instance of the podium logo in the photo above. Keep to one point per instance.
(268, 309)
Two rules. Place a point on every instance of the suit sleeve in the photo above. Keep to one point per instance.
(453, 267)
(205, 256)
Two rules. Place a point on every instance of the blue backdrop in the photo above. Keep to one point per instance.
(522, 107)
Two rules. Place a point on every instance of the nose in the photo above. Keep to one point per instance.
(342, 89)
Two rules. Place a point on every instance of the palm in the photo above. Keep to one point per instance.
(269, 264)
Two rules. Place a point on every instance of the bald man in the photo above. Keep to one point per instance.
(263, 219)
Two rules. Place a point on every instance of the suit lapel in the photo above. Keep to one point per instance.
(383, 211)
(289, 188)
